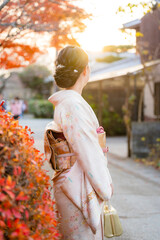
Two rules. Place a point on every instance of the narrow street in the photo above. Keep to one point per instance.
(136, 188)
(138, 205)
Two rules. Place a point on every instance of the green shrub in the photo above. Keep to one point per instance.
(112, 122)
(41, 108)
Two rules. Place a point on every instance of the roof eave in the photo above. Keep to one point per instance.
(120, 73)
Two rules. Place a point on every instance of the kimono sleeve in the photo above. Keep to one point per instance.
(80, 131)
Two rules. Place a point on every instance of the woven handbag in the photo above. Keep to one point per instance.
(112, 224)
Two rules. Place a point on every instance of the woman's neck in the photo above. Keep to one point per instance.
(78, 86)
(79, 90)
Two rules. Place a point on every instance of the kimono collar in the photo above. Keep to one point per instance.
(59, 96)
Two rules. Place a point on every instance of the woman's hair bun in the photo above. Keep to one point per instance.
(70, 63)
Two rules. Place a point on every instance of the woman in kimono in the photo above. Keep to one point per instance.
(81, 190)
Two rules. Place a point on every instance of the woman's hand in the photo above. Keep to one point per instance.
(105, 150)
(112, 189)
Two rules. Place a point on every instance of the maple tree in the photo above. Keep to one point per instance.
(26, 208)
(19, 19)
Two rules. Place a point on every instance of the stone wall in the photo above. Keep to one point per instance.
(144, 136)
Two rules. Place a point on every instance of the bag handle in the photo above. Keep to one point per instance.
(108, 203)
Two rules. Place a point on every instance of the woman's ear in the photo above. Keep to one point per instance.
(85, 70)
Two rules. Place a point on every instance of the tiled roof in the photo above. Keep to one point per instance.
(121, 69)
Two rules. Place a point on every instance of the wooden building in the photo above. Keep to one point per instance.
(147, 34)
(116, 85)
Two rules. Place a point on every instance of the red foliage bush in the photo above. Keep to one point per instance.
(26, 207)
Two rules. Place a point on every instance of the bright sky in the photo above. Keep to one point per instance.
(104, 28)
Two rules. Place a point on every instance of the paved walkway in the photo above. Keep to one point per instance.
(136, 187)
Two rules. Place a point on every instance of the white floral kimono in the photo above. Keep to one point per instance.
(80, 191)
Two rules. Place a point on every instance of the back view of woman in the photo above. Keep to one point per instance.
(81, 189)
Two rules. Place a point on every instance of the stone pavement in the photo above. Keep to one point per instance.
(136, 187)
(38, 127)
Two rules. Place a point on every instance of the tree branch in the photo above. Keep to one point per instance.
(4, 4)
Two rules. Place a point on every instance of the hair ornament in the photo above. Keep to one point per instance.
(75, 70)
(60, 66)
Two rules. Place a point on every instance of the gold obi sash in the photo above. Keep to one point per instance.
(57, 150)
